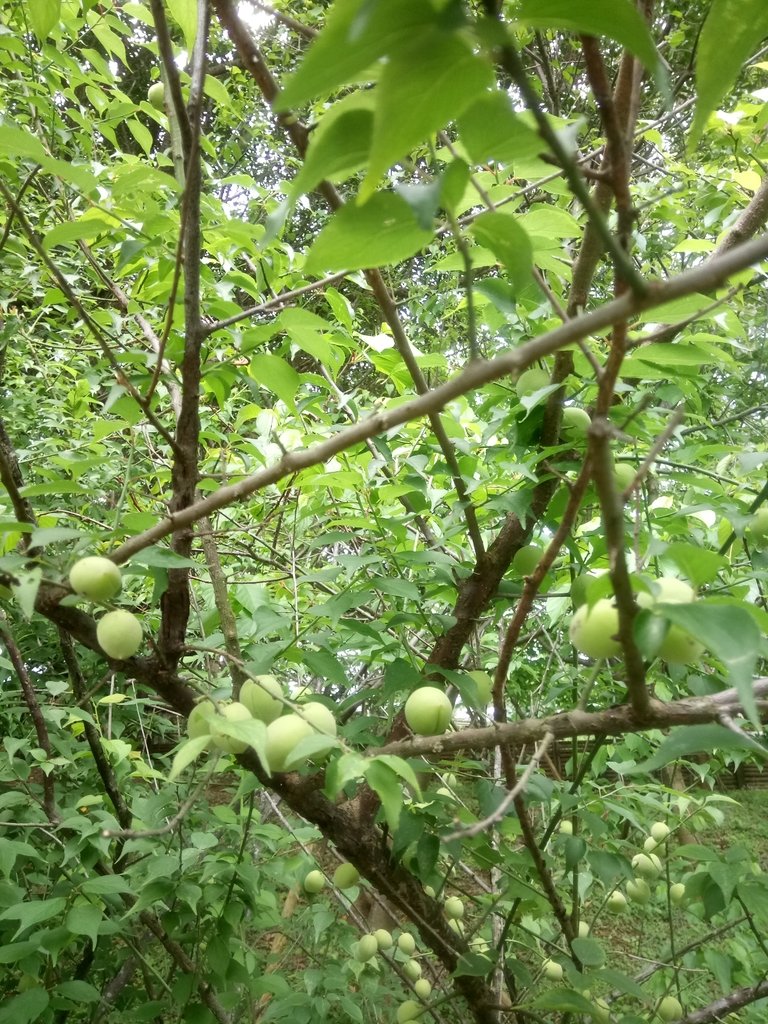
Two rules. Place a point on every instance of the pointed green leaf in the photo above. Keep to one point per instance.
(383, 230)
(356, 34)
(189, 751)
(731, 31)
(443, 72)
(504, 236)
(276, 375)
(491, 130)
(692, 739)
(184, 13)
(589, 951)
(43, 16)
(26, 1007)
(616, 19)
(339, 145)
(387, 786)
(403, 769)
(84, 919)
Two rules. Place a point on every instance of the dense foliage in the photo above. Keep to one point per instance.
(382, 344)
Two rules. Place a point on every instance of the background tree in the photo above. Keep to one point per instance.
(382, 346)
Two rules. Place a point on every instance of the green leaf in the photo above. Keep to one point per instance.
(78, 991)
(43, 16)
(616, 19)
(388, 787)
(343, 770)
(564, 999)
(473, 965)
(84, 919)
(339, 145)
(26, 1007)
(698, 564)
(25, 590)
(575, 848)
(187, 753)
(401, 768)
(162, 558)
(731, 31)
(383, 230)
(731, 634)
(184, 13)
(276, 375)
(504, 236)
(33, 912)
(356, 34)
(16, 951)
(491, 130)
(443, 72)
(589, 951)
(692, 739)
(105, 885)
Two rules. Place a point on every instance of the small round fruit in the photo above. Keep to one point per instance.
(669, 1009)
(553, 971)
(199, 721)
(428, 711)
(616, 902)
(303, 694)
(156, 95)
(96, 578)
(412, 970)
(758, 527)
(679, 647)
(422, 988)
(119, 634)
(646, 865)
(660, 830)
(234, 712)
(409, 1010)
(623, 476)
(283, 736)
(429, 891)
(650, 844)
(531, 381)
(261, 695)
(406, 943)
(583, 929)
(456, 926)
(566, 827)
(575, 424)
(677, 892)
(527, 558)
(593, 630)
(320, 718)
(345, 876)
(314, 882)
(366, 948)
(383, 938)
(638, 890)
(454, 908)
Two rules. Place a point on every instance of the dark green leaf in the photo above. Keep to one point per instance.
(693, 739)
(504, 236)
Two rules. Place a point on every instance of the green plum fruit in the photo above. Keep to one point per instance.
(96, 578)
(593, 630)
(428, 711)
(119, 634)
(262, 696)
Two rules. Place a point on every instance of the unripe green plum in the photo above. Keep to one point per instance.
(454, 908)
(575, 424)
(156, 95)
(757, 530)
(566, 827)
(283, 736)
(406, 943)
(553, 971)
(119, 634)
(638, 890)
(409, 1010)
(602, 1012)
(412, 969)
(96, 578)
(234, 712)
(422, 988)
(314, 882)
(593, 630)
(319, 717)
(456, 926)
(199, 721)
(669, 1009)
(530, 381)
(527, 558)
(616, 902)
(346, 876)
(261, 695)
(623, 476)
(677, 892)
(647, 865)
(383, 938)
(659, 831)
(366, 948)
(484, 685)
(428, 711)
(583, 929)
